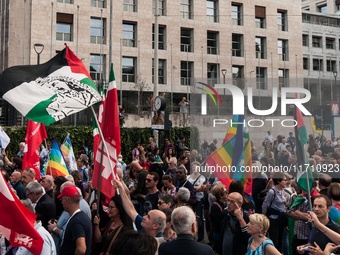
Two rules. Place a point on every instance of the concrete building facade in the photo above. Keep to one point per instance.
(198, 39)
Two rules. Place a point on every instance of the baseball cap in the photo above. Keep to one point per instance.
(69, 191)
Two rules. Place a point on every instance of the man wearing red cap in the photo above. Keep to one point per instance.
(78, 232)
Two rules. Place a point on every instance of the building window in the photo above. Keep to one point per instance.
(331, 65)
(98, 3)
(129, 5)
(128, 69)
(281, 20)
(236, 14)
(97, 31)
(238, 75)
(237, 45)
(161, 37)
(260, 47)
(322, 8)
(161, 7)
(317, 64)
(260, 17)
(305, 40)
(97, 67)
(65, 1)
(282, 49)
(186, 11)
(129, 35)
(186, 72)
(186, 39)
(161, 71)
(212, 42)
(283, 78)
(316, 41)
(212, 11)
(330, 43)
(212, 71)
(261, 76)
(305, 64)
(64, 27)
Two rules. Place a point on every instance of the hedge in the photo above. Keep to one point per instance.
(81, 134)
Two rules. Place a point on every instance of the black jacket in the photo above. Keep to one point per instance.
(45, 210)
(240, 240)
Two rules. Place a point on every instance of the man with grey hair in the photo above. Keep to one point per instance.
(183, 196)
(234, 237)
(48, 245)
(185, 225)
(44, 205)
(153, 223)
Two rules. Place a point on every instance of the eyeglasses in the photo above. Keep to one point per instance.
(148, 180)
(111, 207)
(160, 203)
(231, 201)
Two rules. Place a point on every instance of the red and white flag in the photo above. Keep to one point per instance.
(17, 222)
(35, 135)
(109, 122)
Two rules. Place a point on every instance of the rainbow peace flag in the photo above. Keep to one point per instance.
(234, 156)
(334, 214)
(67, 151)
(57, 162)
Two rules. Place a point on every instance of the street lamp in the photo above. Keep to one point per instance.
(335, 73)
(224, 72)
(38, 48)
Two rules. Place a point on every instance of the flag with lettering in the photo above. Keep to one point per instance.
(17, 222)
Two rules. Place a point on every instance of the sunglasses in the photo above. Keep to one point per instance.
(148, 180)
(160, 203)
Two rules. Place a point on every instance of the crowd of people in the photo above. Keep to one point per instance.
(164, 204)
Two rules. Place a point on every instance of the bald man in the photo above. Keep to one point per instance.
(141, 190)
(15, 179)
(153, 223)
(234, 238)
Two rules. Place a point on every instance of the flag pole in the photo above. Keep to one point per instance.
(104, 143)
(49, 163)
(100, 173)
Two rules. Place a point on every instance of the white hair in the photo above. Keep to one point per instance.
(34, 187)
(183, 194)
(182, 219)
(173, 160)
(69, 178)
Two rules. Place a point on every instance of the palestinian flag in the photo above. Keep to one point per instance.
(302, 159)
(49, 92)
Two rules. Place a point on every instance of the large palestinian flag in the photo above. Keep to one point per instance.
(49, 92)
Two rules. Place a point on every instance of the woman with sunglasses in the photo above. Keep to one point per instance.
(120, 222)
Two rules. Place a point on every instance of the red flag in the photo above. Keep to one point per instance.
(111, 132)
(35, 135)
(17, 222)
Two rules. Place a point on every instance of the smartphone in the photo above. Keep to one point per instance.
(304, 248)
(53, 221)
